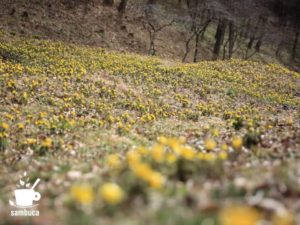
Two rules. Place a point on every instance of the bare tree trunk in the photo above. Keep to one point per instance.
(247, 29)
(204, 30)
(187, 47)
(152, 49)
(258, 44)
(197, 39)
(249, 46)
(188, 3)
(282, 29)
(151, 2)
(231, 39)
(294, 50)
(179, 3)
(260, 27)
(219, 37)
(243, 28)
(279, 47)
(122, 6)
(108, 2)
(262, 34)
(224, 49)
(153, 29)
(251, 41)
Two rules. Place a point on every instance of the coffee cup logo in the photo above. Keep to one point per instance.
(26, 196)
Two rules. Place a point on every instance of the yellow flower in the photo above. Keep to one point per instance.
(158, 153)
(224, 147)
(163, 140)
(72, 122)
(47, 143)
(113, 161)
(141, 170)
(239, 215)
(283, 219)
(237, 142)
(289, 121)
(100, 123)
(210, 144)
(142, 151)
(111, 193)
(84, 194)
(20, 126)
(9, 116)
(181, 140)
(29, 141)
(4, 126)
(3, 135)
(156, 180)
(215, 132)
(111, 119)
(42, 114)
(223, 155)
(201, 156)
(209, 156)
(187, 153)
(171, 158)
(133, 157)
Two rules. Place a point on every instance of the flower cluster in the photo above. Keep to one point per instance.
(81, 108)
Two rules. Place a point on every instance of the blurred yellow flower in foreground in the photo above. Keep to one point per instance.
(163, 140)
(146, 173)
(171, 158)
(210, 144)
(111, 193)
(239, 215)
(156, 180)
(83, 194)
(237, 142)
(223, 155)
(141, 170)
(113, 161)
(224, 147)
(187, 152)
(132, 157)
(158, 153)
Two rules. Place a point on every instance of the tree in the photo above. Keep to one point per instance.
(199, 18)
(232, 36)
(153, 26)
(197, 31)
(289, 21)
(220, 33)
(295, 44)
(122, 6)
(108, 2)
(150, 2)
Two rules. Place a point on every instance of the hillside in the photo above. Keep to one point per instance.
(91, 23)
(185, 143)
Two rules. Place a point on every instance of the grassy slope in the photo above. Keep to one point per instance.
(79, 104)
